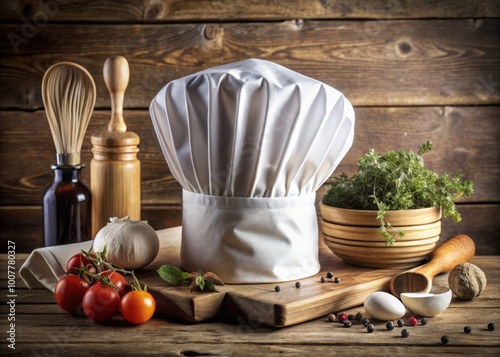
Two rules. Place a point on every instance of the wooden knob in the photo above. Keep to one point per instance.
(116, 76)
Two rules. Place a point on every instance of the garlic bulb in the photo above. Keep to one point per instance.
(129, 243)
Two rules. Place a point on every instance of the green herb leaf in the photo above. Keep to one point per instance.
(209, 285)
(200, 282)
(172, 275)
(397, 180)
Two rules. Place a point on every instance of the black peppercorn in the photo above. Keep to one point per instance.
(370, 328)
(365, 322)
(445, 340)
(401, 323)
(277, 288)
(358, 316)
(298, 284)
(329, 275)
(467, 329)
(323, 279)
(424, 321)
(336, 280)
(350, 317)
(405, 333)
(389, 325)
(491, 326)
(347, 323)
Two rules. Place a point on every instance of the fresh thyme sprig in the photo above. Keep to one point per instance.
(397, 180)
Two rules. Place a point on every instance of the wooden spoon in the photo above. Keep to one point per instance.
(456, 250)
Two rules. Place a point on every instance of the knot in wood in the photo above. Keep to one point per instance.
(154, 11)
(299, 22)
(405, 47)
(212, 32)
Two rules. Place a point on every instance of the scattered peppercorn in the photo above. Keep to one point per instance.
(358, 316)
(331, 318)
(336, 280)
(329, 275)
(365, 322)
(405, 333)
(370, 328)
(342, 317)
(401, 323)
(277, 288)
(413, 321)
(491, 326)
(389, 325)
(347, 323)
(298, 284)
(350, 317)
(323, 279)
(467, 329)
(424, 321)
(445, 340)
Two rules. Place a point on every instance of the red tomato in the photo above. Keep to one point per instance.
(69, 293)
(101, 302)
(118, 280)
(137, 306)
(76, 261)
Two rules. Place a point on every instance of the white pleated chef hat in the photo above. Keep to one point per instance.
(250, 143)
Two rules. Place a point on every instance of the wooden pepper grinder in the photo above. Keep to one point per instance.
(115, 171)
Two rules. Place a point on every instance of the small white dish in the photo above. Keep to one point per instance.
(428, 304)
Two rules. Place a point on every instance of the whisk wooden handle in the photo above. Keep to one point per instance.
(116, 76)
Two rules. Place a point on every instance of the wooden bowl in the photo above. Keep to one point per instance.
(353, 235)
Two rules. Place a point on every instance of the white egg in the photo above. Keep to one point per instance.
(384, 306)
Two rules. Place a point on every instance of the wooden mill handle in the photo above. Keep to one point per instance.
(116, 76)
(456, 250)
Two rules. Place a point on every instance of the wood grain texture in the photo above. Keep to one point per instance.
(415, 70)
(46, 330)
(213, 10)
(383, 63)
(259, 301)
(462, 144)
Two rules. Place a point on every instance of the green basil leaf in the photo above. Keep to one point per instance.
(209, 285)
(200, 282)
(171, 274)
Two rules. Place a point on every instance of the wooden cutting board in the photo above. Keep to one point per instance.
(259, 303)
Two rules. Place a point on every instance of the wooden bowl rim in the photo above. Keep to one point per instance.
(363, 233)
(368, 218)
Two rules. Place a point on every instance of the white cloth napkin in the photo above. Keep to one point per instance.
(251, 142)
(45, 266)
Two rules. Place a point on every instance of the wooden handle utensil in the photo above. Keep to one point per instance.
(458, 249)
(116, 76)
(115, 170)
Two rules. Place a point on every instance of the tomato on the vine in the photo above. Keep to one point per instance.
(101, 302)
(137, 306)
(76, 262)
(69, 293)
(117, 279)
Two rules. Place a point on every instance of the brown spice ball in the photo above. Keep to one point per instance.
(467, 281)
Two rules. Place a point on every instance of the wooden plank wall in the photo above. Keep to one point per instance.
(414, 70)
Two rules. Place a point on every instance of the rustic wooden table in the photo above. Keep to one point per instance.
(43, 329)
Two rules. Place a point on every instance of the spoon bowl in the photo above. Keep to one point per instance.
(457, 249)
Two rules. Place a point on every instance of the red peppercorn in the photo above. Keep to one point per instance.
(413, 321)
(342, 317)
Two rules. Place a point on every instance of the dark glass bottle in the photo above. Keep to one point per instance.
(66, 208)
